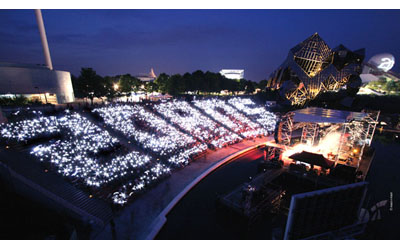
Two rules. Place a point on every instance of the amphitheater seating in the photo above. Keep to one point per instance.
(167, 135)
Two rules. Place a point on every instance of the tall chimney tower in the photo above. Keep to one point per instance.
(43, 37)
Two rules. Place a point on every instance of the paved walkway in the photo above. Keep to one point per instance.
(145, 216)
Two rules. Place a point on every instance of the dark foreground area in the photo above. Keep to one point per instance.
(21, 218)
(196, 216)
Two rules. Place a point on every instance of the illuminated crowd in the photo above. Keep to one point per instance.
(30, 129)
(151, 132)
(196, 124)
(167, 135)
(230, 117)
(255, 112)
(77, 154)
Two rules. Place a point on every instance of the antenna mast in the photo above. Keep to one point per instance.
(43, 37)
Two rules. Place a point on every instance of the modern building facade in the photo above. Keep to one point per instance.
(234, 74)
(37, 82)
(311, 67)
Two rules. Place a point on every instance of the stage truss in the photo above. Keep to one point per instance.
(354, 135)
(309, 133)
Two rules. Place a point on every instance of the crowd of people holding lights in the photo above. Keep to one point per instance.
(168, 135)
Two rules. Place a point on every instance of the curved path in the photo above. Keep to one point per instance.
(145, 216)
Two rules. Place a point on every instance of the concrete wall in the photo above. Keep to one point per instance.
(23, 80)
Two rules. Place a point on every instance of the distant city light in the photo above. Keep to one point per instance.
(116, 86)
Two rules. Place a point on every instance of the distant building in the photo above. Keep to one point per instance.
(234, 74)
(378, 78)
(36, 82)
(378, 68)
(150, 77)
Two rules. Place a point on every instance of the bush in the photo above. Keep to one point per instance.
(18, 100)
(14, 101)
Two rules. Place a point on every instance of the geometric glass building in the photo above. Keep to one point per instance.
(311, 67)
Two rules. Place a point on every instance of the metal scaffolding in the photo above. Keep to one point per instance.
(355, 133)
(309, 133)
(355, 136)
(371, 120)
(285, 129)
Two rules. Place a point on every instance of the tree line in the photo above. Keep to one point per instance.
(90, 85)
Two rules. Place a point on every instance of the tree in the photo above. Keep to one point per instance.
(126, 84)
(175, 85)
(392, 86)
(189, 84)
(89, 84)
(262, 84)
(18, 100)
(249, 86)
(78, 88)
(151, 87)
(162, 81)
(197, 81)
(138, 85)
(211, 83)
(110, 90)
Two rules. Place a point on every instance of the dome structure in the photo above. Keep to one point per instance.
(384, 61)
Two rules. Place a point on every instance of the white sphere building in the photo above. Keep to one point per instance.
(384, 61)
(378, 68)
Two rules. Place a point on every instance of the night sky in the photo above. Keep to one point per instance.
(178, 41)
